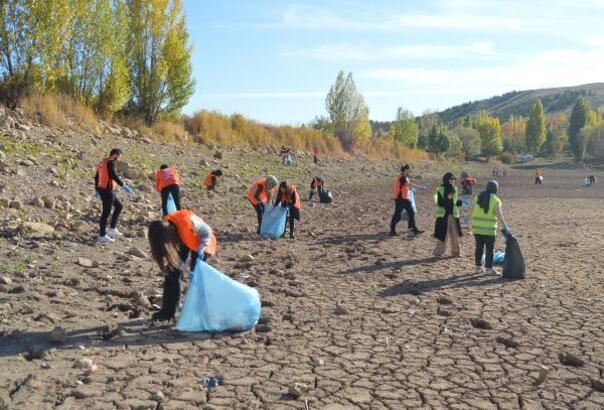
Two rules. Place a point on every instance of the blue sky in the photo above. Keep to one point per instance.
(274, 61)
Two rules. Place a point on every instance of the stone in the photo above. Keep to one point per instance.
(263, 328)
(569, 359)
(86, 263)
(218, 154)
(23, 127)
(5, 280)
(15, 205)
(35, 351)
(37, 202)
(48, 202)
(17, 289)
(26, 163)
(317, 361)
(341, 310)
(248, 258)
(143, 301)
(134, 251)
(479, 323)
(57, 335)
(38, 228)
(297, 390)
(85, 364)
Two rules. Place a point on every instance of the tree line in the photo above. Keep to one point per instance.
(118, 56)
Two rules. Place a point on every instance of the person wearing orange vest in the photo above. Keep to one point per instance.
(211, 180)
(287, 196)
(538, 176)
(260, 194)
(106, 181)
(180, 235)
(167, 182)
(316, 185)
(402, 185)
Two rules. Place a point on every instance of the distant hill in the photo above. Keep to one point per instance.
(555, 100)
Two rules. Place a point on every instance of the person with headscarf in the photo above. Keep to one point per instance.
(447, 225)
(485, 215)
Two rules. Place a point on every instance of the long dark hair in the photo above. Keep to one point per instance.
(484, 198)
(164, 243)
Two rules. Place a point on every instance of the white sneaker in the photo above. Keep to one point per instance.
(479, 269)
(114, 234)
(492, 272)
(104, 240)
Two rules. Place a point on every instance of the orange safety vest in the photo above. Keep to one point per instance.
(401, 190)
(263, 194)
(166, 177)
(285, 198)
(207, 182)
(104, 182)
(537, 173)
(187, 233)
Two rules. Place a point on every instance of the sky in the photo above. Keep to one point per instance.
(275, 60)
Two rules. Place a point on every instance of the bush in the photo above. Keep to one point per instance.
(60, 111)
(507, 158)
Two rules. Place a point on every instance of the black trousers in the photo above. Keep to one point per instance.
(110, 200)
(165, 193)
(537, 180)
(171, 293)
(483, 241)
(293, 214)
(259, 211)
(399, 205)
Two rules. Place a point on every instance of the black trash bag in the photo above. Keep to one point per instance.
(325, 197)
(513, 264)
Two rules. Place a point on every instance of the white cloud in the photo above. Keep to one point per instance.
(366, 52)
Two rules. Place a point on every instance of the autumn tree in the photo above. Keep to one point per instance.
(470, 141)
(404, 129)
(348, 113)
(160, 59)
(535, 128)
(489, 130)
(438, 140)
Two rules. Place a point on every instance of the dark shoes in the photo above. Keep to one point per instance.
(292, 236)
(393, 233)
(161, 316)
(416, 231)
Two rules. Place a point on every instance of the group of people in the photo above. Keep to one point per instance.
(486, 214)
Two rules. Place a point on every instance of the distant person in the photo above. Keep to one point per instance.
(167, 182)
(316, 186)
(402, 186)
(447, 224)
(287, 196)
(180, 234)
(260, 194)
(286, 155)
(538, 177)
(485, 215)
(211, 179)
(106, 181)
(315, 156)
(592, 179)
(467, 183)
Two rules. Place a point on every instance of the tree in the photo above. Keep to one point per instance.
(578, 120)
(470, 141)
(160, 59)
(596, 143)
(347, 112)
(489, 130)
(535, 128)
(426, 122)
(554, 141)
(404, 129)
(438, 140)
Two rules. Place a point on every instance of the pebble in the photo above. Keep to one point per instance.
(341, 310)
(86, 365)
(296, 390)
(5, 280)
(86, 263)
(139, 253)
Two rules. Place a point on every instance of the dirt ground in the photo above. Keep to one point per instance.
(356, 318)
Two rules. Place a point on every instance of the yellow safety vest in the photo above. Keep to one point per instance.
(440, 211)
(485, 223)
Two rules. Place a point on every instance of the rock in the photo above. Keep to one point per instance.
(218, 154)
(26, 163)
(53, 171)
(263, 328)
(569, 359)
(85, 364)
(296, 390)
(134, 251)
(35, 351)
(143, 301)
(38, 228)
(15, 205)
(5, 280)
(86, 263)
(543, 372)
(480, 324)
(48, 202)
(158, 396)
(317, 361)
(248, 258)
(37, 202)
(17, 289)
(597, 385)
(57, 335)
(23, 127)
(341, 310)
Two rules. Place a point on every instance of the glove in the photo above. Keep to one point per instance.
(127, 189)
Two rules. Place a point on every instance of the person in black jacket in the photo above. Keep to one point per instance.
(447, 225)
(106, 180)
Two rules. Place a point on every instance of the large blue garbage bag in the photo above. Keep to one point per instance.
(170, 205)
(498, 257)
(216, 303)
(273, 221)
(404, 215)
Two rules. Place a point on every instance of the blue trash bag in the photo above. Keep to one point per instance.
(170, 205)
(288, 160)
(466, 202)
(216, 303)
(404, 215)
(273, 221)
(498, 257)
